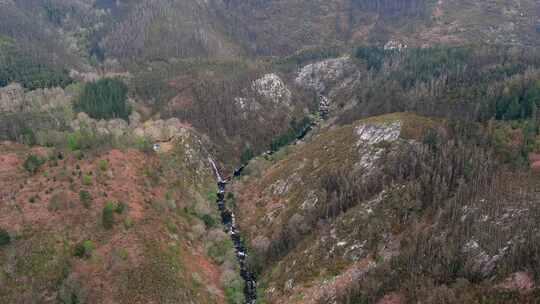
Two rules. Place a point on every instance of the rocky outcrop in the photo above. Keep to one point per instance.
(371, 134)
(267, 91)
(481, 262)
(321, 75)
(326, 78)
(273, 88)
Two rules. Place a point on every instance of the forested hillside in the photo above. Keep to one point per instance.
(89, 31)
(395, 208)
(389, 151)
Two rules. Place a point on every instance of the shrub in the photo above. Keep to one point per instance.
(220, 251)
(87, 180)
(209, 221)
(103, 165)
(144, 144)
(171, 226)
(120, 208)
(33, 163)
(123, 254)
(28, 137)
(107, 216)
(104, 99)
(128, 223)
(84, 249)
(83, 139)
(247, 155)
(297, 130)
(86, 198)
(234, 292)
(5, 239)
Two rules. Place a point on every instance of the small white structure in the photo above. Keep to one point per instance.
(156, 147)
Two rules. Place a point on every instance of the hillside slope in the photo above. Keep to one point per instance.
(116, 226)
(137, 31)
(392, 207)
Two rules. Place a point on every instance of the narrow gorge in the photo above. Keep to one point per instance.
(229, 222)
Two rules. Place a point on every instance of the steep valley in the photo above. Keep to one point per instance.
(272, 152)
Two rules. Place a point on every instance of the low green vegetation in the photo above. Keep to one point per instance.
(82, 139)
(247, 155)
(86, 198)
(104, 99)
(87, 180)
(128, 223)
(160, 275)
(234, 292)
(107, 216)
(84, 249)
(120, 208)
(144, 144)
(5, 239)
(209, 221)
(46, 261)
(296, 130)
(103, 165)
(28, 137)
(33, 163)
(219, 250)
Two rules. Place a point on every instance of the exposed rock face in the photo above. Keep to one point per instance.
(320, 75)
(13, 98)
(327, 78)
(267, 91)
(481, 261)
(370, 134)
(273, 88)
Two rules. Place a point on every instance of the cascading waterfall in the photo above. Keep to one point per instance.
(229, 221)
